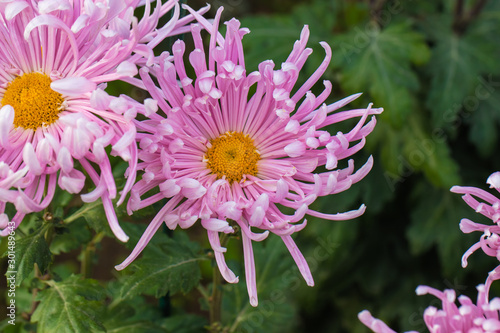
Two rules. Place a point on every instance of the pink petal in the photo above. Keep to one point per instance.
(73, 86)
(295, 149)
(6, 123)
(14, 8)
(65, 160)
(72, 182)
(31, 160)
(169, 188)
(494, 180)
(48, 6)
(127, 68)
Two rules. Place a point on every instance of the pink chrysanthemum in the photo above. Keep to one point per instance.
(484, 316)
(222, 153)
(55, 59)
(489, 206)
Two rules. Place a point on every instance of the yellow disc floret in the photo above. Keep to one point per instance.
(35, 103)
(232, 155)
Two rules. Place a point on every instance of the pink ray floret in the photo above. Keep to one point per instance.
(80, 45)
(484, 316)
(465, 317)
(286, 124)
(488, 205)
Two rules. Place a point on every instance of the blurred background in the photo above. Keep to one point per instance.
(434, 67)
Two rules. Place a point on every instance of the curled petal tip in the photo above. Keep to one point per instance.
(254, 302)
(124, 238)
(120, 267)
(421, 290)
(365, 314)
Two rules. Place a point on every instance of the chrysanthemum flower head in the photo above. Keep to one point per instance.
(467, 317)
(487, 205)
(55, 59)
(231, 146)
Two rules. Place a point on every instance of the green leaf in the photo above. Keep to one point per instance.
(276, 274)
(9, 325)
(133, 314)
(69, 237)
(379, 61)
(485, 124)
(94, 215)
(184, 323)
(272, 36)
(455, 69)
(429, 152)
(127, 318)
(157, 276)
(29, 250)
(167, 265)
(72, 305)
(435, 222)
(414, 149)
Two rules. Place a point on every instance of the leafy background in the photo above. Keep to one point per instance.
(433, 66)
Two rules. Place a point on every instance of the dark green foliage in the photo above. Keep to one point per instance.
(184, 323)
(167, 265)
(94, 215)
(134, 316)
(434, 222)
(378, 60)
(484, 124)
(72, 305)
(30, 250)
(276, 279)
(70, 237)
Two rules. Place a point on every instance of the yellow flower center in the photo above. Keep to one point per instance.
(232, 155)
(35, 103)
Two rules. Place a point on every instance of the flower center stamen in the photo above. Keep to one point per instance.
(232, 155)
(35, 103)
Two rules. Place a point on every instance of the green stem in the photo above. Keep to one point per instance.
(87, 254)
(215, 300)
(81, 212)
(203, 292)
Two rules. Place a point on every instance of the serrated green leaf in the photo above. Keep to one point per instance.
(157, 276)
(125, 318)
(168, 264)
(72, 305)
(379, 61)
(29, 250)
(456, 65)
(134, 314)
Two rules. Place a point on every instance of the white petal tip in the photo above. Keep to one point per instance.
(421, 290)
(254, 302)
